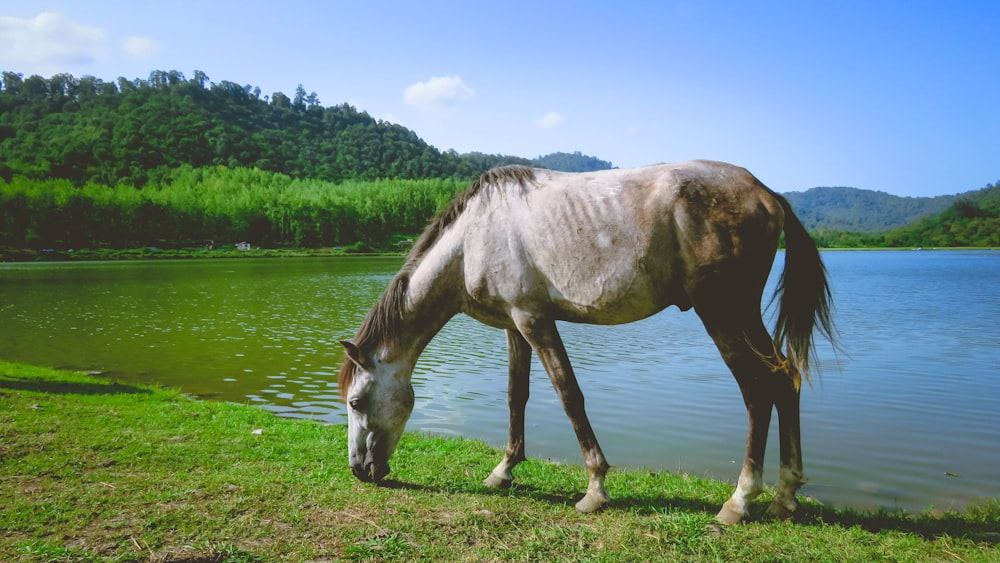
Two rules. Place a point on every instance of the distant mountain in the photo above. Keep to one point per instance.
(575, 162)
(863, 211)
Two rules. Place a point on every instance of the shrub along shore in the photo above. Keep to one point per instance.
(156, 253)
(97, 470)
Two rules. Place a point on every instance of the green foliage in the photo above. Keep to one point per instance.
(574, 162)
(170, 161)
(965, 223)
(861, 211)
(213, 206)
(850, 218)
(134, 131)
(973, 220)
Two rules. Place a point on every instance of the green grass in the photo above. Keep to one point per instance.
(94, 470)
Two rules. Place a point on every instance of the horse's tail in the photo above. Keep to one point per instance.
(803, 295)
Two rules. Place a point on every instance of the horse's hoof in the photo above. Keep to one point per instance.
(592, 503)
(496, 482)
(715, 530)
(782, 510)
(729, 515)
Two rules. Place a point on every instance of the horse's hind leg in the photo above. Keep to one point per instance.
(764, 382)
(786, 400)
(519, 354)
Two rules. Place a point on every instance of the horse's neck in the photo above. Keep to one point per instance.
(434, 295)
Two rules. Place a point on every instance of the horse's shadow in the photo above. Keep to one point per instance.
(984, 529)
(59, 387)
(523, 490)
(929, 527)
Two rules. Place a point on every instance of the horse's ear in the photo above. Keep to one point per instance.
(354, 354)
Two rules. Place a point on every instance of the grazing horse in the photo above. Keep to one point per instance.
(523, 248)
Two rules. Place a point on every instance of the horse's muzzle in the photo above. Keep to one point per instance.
(370, 472)
(369, 454)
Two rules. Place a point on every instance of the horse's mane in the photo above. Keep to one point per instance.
(382, 322)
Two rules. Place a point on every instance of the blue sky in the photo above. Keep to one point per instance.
(902, 97)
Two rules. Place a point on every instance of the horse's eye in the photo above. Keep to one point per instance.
(358, 403)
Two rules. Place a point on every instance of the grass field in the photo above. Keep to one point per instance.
(95, 470)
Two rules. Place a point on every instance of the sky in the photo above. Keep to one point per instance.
(895, 96)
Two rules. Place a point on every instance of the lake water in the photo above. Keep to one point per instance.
(906, 418)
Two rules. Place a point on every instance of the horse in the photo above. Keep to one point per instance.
(522, 248)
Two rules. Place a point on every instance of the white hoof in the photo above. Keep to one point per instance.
(496, 482)
(592, 502)
(730, 514)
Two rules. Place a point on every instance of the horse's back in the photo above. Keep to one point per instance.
(615, 246)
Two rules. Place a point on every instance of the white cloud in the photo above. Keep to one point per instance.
(438, 92)
(549, 120)
(49, 41)
(140, 47)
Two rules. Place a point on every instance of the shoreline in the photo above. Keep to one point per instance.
(153, 253)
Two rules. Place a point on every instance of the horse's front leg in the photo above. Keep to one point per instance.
(544, 338)
(519, 354)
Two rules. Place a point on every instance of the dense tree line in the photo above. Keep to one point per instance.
(177, 161)
(861, 211)
(571, 162)
(194, 207)
(972, 219)
(135, 131)
(172, 161)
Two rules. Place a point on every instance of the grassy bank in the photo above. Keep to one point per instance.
(92, 469)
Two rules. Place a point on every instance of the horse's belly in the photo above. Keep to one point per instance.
(609, 300)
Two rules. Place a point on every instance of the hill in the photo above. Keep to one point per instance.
(857, 210)
(574, 162)
(973, 219)
(134, 131)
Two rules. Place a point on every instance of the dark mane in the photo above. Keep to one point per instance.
(489, 181)
(382, 322)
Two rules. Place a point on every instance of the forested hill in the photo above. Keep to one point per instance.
(857, 210)
(853, 218)
(224, 162)
(973, 219)
(135, 131)
(574, 162)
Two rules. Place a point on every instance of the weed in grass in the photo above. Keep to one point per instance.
(41, 551)
(383, 545)
(229, 553)
(686, 531)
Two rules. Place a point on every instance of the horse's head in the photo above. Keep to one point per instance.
(379, 401)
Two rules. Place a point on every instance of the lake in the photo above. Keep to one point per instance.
(904, 418)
